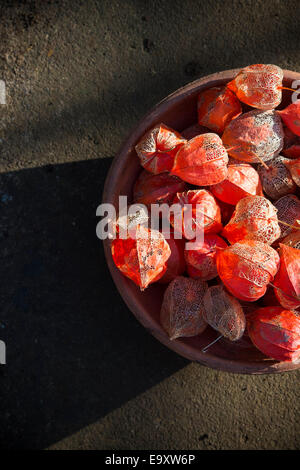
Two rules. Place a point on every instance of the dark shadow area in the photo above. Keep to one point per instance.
(74, 351)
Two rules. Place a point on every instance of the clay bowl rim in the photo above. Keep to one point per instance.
(116, 171)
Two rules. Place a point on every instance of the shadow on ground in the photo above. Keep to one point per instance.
(73, 354)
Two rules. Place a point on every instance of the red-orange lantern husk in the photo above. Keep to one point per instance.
(201, 261)
(288, 211)
(182, 308)
(176, 262)
(254, 137)
(226, 211)
(143, 258)
(259, 85)
(217, 106)
(201, 161)
(287, 280)
(275, 332)
(294, 168)
(277, 180)
(200, 211)
(254, 218)
(291, 117)
(246, 268)
(156, 189)
(242, 180)
(291, 147)
(158, 147)
(224, 313)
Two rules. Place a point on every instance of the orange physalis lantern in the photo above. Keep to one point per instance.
(291, 117)
(202, 161)
(246, 268)
(288, 212)
(182, 308)
(224, 313)
(294, 168)
(176, 262)
(201, 260)
(254, 218)
(276, 180)
(275, 332)
(156, 189)
(199, 210)
(217, 106)
(254, 137)
(157, 149)
(242, 180)
(259, 86)
(287, 280)
(142, 258)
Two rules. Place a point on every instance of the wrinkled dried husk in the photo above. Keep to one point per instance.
(254, 218)
(158, 147)
(242, 180)
(202, 161)
(142, 259)
(287, 280)
(277, 180)
(254, 136)
(182, 308)
(258, 85)
(275, 332)
(156, 189)
(224, 313)
(288, 211)
(246, 268)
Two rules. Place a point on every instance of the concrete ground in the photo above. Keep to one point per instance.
(81, 372)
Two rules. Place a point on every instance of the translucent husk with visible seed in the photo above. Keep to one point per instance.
(182, 308)
(224, 313)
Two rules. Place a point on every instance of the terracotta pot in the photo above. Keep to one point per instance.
(179, 111)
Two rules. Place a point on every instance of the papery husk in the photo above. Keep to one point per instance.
(182, 308)
(224, 313)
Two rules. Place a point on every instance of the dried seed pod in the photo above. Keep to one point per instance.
(292, 240)
(287, 280)
(158, 147)
(275, 332)
(291, 117)
(246, 268)
(156, 189)
(217, 106)
(288, 212)
(291, 147)
(224, 313)
(182, 308)
(143, 258)
(201, 261)
(200, 211)
(201, 161)
(176, 262)
(259, 85)
(293, 167)
(242, 180)
(254, 137)
(254, 218)
(276, 180)
(127, 224)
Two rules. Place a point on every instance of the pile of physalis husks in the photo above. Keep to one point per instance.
(233, 171)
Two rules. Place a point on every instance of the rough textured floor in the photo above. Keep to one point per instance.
(81, 372)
